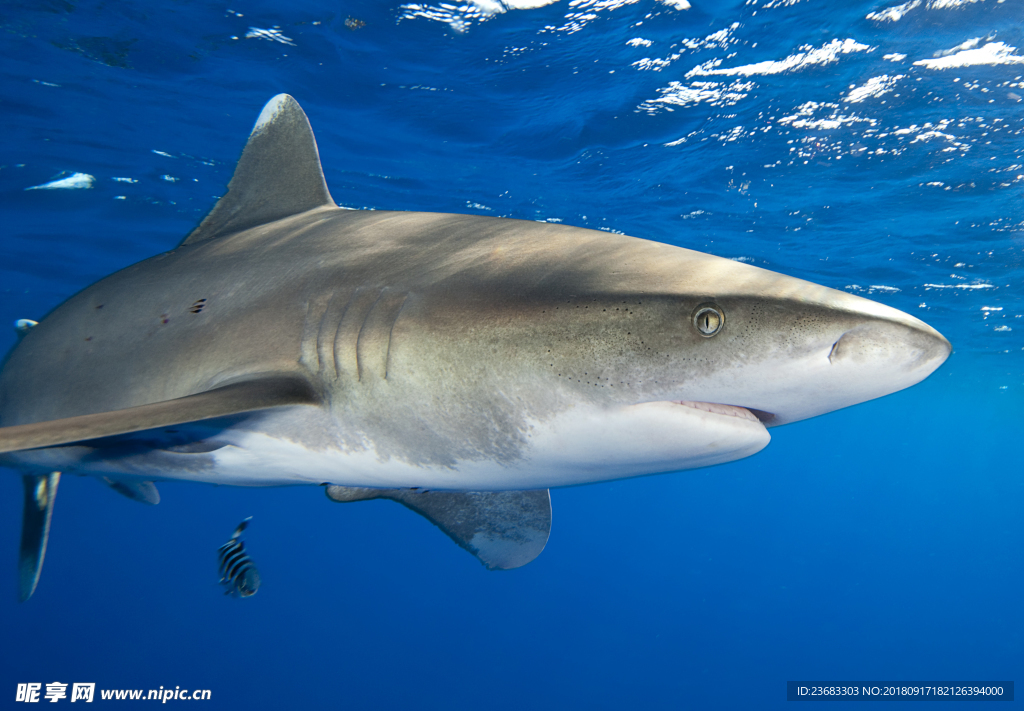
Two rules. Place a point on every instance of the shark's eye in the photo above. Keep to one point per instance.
(708, 319)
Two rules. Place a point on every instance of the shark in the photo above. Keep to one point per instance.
(460, 365)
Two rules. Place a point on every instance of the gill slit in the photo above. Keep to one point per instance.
(391, 334)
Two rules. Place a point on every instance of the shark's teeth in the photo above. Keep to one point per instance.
(717, 409)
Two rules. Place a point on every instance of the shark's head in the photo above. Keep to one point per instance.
(595, 352)
(705, 329)
(787, 350)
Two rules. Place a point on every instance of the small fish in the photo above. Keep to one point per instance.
(237, 571)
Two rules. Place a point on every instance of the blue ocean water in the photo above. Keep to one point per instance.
(870, 147)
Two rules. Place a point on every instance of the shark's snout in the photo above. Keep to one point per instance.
(872, 359)
(891, 347)
(843, 357)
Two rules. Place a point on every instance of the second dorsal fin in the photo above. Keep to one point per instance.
(278, 175)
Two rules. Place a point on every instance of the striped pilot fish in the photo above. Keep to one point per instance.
(237, 571)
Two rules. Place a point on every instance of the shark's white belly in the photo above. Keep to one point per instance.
(579, 446)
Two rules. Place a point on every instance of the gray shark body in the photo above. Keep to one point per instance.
(428, 358)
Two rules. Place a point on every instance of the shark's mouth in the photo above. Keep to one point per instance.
(746, 413)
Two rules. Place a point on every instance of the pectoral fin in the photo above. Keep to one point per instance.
(503, 529)
(220, 402)
(40, 491)
(145, 492)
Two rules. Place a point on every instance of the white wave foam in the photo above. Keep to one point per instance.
(873, 288)
(721, 39)
(653, 64)
(585, 11)
(875, 86)
(75, 181)
(804, 117)
(709, 92)
(893, 14)
(894, 57)
(976, 285)
(461, 17)
(991, 53)
(808, 56)
(458, 18)
(526, 4)
(929, 135)
(273, 35)
(947, 4)
(896, 13)
(639, 42)
(969, 44)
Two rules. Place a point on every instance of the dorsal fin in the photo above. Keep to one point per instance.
(278, 175)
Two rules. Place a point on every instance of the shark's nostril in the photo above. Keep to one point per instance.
(832, 352)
